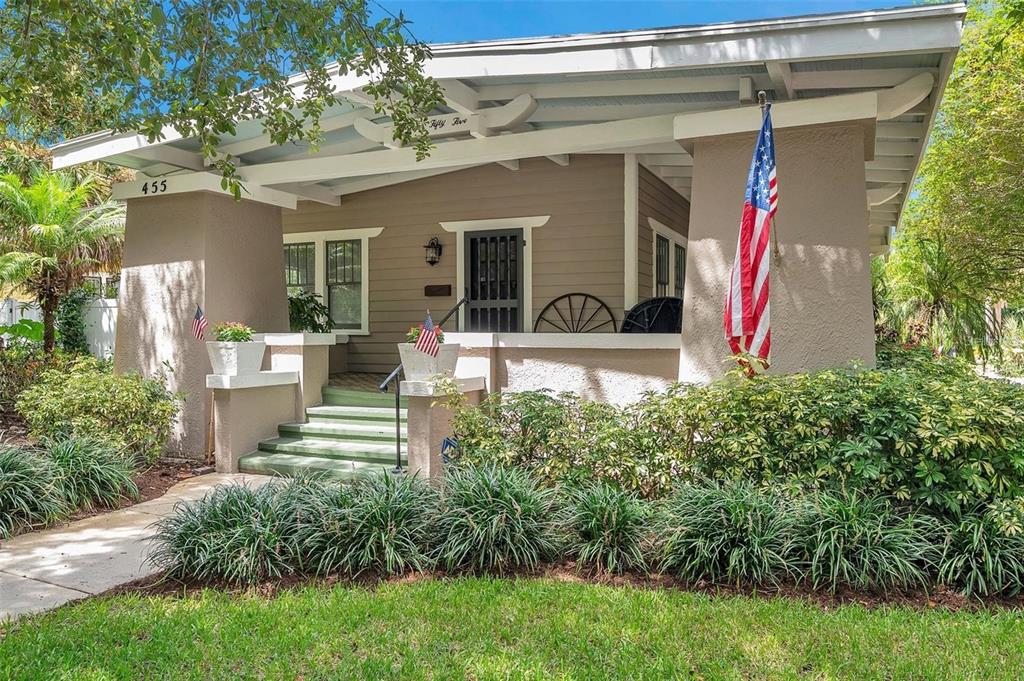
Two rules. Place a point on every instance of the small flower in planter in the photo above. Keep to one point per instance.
(233, 332)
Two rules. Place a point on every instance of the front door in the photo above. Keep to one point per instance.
(494, 275)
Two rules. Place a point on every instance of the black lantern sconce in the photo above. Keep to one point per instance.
(433, 249)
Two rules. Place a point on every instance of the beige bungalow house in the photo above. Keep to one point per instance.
(609, 165)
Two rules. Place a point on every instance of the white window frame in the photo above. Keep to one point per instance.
(527, 224)
(674, 238)
(319, 241)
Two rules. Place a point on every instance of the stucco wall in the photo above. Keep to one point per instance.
(820, 282)
(579, 249)
(657, 200)
(186, 250)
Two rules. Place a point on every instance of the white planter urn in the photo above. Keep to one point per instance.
(236, 359)
(419, 366)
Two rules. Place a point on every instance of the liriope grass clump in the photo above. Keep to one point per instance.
(607, 527)
(496, 519)
(235, 534)
(863, 542)
(981, 558)
(90, 472)
(382, 522)
(28, 493)
(727, 533)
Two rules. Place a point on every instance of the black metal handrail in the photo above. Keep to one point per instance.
(394, 377)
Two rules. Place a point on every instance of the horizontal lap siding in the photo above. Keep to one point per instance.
(659, 201)
(579, 249)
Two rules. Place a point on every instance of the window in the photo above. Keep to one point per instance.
(661, 273)
(300, 266)
(333, 265)
(345, 283)
(680, 271)
(669, 276)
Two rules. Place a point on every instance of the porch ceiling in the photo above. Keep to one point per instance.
(597, 93)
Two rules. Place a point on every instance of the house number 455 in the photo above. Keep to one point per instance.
(154, 187)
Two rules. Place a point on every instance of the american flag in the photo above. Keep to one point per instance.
(427, 341)
(747, 326)
(199, 324)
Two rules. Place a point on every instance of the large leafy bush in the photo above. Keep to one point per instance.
(924, 431)
(86, 399)
(21, 364)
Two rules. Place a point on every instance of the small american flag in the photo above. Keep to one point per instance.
(199, 324)
(427, 342)
(747, 319)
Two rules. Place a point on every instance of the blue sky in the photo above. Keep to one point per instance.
(460, 20)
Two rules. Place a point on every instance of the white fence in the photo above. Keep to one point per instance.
(100, 322)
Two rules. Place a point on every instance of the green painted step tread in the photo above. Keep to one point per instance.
(334, 449)
(358, 398)
(332, 413)
(340, 430)
(290, 464)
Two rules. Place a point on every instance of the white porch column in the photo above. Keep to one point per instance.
(190, 249)
(821, 280)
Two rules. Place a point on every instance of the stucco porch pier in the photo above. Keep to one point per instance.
(610, 164)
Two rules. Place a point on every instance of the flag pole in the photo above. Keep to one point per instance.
(762, 101)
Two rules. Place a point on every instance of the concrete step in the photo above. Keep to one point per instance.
(291, 464)
(368, 431)
(330, 414)
(358, 398)
(331, 449)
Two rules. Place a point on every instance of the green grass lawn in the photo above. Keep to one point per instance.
(494, 629)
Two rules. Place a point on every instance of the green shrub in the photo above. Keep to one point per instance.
(607, 527)
(862, 542)
(1010, 361)
(926, 431)
(70, 320)
(88, 471)
(382, 522)
(133, 413)
(564, 439)
(495, 519)
(730, 532)
(20, 366)
(28, 495)
(233, 332)
(307, 313)
(235, 534)
(980, 558)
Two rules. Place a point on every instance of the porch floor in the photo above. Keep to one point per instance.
(354, 380)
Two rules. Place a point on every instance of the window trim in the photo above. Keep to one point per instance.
(319, 240)
(674, 239)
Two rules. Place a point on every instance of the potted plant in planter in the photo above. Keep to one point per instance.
(422, 360)
(235, 352)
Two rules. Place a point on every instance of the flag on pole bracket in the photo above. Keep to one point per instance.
(747, 318)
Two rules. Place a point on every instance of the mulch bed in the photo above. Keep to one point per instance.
(13, 429)
(939, 599)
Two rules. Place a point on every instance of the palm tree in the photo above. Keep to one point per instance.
(53, 233)
(930, 299)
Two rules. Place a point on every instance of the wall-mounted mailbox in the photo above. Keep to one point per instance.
(437, 290)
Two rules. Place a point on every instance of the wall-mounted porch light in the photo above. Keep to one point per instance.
(433, 249)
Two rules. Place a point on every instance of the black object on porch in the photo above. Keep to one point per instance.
(655, 315)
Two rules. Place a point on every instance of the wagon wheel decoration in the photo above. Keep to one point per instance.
(575, 313)
(655, 315)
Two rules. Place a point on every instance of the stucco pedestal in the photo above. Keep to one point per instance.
(429, 422)
(309, 355)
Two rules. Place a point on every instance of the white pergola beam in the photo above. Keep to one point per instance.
(856, 78)
(674, 171)
(378, 181)
(558, 159)
(782, 78)
(311, 192)
(511, 165)
(617, 88)
(890, 163)
(900, 176)
(327, 124)
(460, 96)
(881, 195)
(197, 182)
(902, 98)
(900, 130)
(179, 158)
(575, 113)
(593, 137)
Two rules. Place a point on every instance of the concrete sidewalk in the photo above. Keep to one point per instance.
(45, 569)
